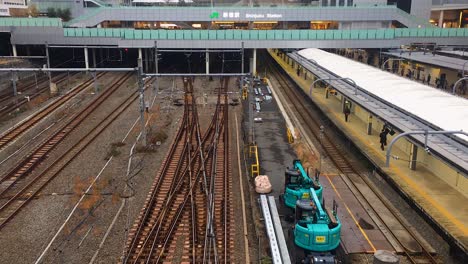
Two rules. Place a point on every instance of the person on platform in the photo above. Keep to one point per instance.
(429, 79)
(346, 112)
(383, 138)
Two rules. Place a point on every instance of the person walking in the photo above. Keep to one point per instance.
(429, 79)
(346, 112)
(383, 138)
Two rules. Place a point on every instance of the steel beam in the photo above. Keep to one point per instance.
(23, 57)
(84, 46)
(66, 69)
(199, 50)
(195, 74)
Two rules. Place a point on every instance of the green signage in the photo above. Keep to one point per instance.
(214, 15)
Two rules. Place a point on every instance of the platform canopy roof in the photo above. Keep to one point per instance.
(441, 109)
(161, 1)
(429, 58)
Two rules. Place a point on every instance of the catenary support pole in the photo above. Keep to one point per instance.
(242, 66)
(251, 105)
(13, 82)
(413, 156)
(141, 89)
(156, 68)
(48, 63)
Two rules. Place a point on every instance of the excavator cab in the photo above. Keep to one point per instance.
(305, 212)
(297, 184)
(293, 179)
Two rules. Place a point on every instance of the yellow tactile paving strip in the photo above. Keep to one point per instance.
(447, 206)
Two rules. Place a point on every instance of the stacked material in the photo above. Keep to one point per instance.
(262, 184)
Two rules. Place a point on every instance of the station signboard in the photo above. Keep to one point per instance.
(247, 15)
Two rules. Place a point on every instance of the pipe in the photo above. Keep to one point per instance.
(420, 132)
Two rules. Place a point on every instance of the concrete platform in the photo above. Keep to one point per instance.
(444, 206)
(359, 232)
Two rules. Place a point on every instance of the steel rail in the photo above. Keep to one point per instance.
(340, 160)
(22, 127)
(32, 160)
(32, 193)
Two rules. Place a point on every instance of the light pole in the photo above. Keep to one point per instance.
(463, 69)
(331, 79)
(457, 82)
(391, 59)
(426, 133)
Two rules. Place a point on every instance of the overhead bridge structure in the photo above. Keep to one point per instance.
(26, 32)
(89, 29)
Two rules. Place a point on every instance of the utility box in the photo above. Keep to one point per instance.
(53, 88)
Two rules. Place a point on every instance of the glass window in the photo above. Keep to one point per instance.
(341, 2)
(332, 2)
(350, 3)
(324, 2)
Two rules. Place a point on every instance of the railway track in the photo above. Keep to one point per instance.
(187, 216)
(16, 131)
(311, 121)
(16, 197)
(17, 177)
(22, 87)
(7, 94)
(7, 106)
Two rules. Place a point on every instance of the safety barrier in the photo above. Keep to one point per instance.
(296, 34)
(290, 136)
(30, 22)
(255, 167)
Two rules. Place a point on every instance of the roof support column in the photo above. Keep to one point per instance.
(369, 125)
(254, 63)
(13, 46)
(207, 62)
(86, 58)
(441, 19)
(14, 78)
(413, 156)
